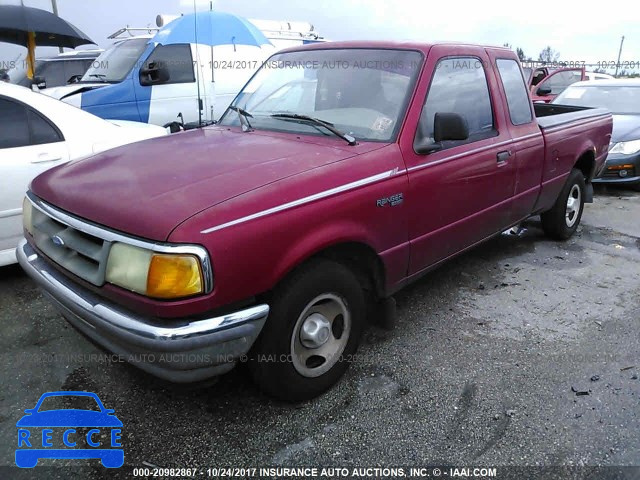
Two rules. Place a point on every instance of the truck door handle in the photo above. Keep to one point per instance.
(503, 156)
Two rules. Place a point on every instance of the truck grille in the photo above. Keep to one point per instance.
(78, 252)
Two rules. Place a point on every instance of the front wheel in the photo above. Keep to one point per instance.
(563, 219)
(312, 332)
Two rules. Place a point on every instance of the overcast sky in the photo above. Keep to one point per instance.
(582, 30)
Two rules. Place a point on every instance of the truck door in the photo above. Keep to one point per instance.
(554, 84)
(461, 193)
(167, 85)
(528, 146)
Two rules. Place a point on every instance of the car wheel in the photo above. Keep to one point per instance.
(563, 219)
(312, 332)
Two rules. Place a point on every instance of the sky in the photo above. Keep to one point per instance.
(579, 31)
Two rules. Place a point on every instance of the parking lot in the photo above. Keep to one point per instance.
(523, 351)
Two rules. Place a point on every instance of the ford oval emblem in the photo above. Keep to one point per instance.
(57, 241)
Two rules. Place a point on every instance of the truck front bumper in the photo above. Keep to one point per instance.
(180, 351)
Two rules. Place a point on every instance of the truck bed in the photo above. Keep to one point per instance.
(552, 115)
(569, 130)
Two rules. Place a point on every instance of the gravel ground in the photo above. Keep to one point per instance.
(480, 370)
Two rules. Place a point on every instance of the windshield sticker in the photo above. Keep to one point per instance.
(382, 124)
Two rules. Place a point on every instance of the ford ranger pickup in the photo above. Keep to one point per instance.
(341, 173)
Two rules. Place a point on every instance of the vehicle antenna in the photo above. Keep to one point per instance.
(195, 25)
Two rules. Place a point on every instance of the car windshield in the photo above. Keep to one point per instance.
(360, 92)
(115, 63)
(69, 402)
(619, 99)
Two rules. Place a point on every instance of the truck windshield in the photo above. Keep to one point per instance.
(619, 99)
(361, 92)
(115, 63)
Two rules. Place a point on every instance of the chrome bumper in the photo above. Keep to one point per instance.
(176, 350)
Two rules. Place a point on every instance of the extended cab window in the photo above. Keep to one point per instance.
(514, 88)
(176, 59)
(459, 86)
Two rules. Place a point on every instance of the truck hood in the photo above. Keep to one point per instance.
(625, 128)
(148, 188)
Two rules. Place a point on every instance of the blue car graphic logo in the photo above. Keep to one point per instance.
(69, 432)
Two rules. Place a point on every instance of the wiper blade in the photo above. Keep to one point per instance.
(244, 117)
(100, 76)
(316, 121)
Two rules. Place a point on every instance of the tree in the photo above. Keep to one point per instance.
(519, 52)
(548, 55)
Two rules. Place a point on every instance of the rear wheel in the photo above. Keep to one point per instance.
(312, 332)
(563, 219)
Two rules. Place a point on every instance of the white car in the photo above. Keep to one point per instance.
(597, 76)
(37, 133)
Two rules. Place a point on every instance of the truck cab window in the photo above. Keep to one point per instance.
(514, 88)
(459, 86)
(538, 76)
(176, 59)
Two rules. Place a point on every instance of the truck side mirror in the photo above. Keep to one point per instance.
(446, 126)
(449, 126)
(154, 74)
(544, 90)
(40, 82)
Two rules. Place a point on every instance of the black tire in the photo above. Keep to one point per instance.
(558, 223)
(273, 362)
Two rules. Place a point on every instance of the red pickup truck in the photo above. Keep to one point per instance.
(341, 173)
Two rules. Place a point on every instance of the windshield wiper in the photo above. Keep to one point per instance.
(99, 76)
(316, 121)
(244, 117)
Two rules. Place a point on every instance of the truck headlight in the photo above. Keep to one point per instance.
(626, 148)
(156, 275)
(27, 215)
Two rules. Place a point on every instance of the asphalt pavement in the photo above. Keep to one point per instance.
(524, 351)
